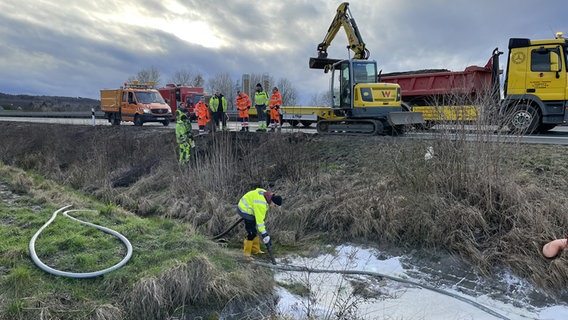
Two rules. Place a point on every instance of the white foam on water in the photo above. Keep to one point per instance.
(387, 299)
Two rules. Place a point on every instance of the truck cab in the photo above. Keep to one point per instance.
(536, 86)
(135, 102)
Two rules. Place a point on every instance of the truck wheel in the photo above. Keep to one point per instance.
(545, 127)
(114, 119)
(306, 123)
(166, 123)
(294, 123)
(322, 127)
(525, 120)
(138, 121)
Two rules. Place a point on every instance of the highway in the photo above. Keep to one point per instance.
(557, 136)
(83, 119)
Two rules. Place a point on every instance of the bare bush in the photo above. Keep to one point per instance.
(194, 284)
(108, 312)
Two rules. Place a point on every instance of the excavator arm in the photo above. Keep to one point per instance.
(343, 18)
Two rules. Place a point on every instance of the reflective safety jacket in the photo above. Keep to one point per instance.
(260, 98)
(275, 100)
(243, 101)
(215, 101)
(181, 131)
(202, 113)
(243, 104)
(254, 203)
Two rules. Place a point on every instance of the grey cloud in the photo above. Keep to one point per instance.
(87, 54)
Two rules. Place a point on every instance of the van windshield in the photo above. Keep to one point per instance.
(149, 97)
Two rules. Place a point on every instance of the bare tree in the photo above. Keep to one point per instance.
(146, 76)
(288, 91)
(223, 83)
(321, 99)
(182, 77)
(198, 81)
(187, 78)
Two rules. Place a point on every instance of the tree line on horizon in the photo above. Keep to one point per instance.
(225, 83)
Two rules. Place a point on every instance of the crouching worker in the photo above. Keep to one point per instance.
(253, 208)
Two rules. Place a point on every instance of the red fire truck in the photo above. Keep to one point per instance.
(181, 97)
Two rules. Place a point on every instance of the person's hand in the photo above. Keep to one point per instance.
(266, 238)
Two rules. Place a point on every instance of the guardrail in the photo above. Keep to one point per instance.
(233, 115)
(37, 114)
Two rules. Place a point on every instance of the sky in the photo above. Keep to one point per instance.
(75, 48)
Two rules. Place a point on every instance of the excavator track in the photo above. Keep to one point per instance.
(359, 127)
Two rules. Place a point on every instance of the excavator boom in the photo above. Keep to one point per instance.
(343, 18)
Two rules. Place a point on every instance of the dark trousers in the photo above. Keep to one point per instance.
(260, 112)
(250, 224)
(219, 117)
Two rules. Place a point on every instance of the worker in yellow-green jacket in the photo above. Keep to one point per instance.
(261, 99)
(253, 208)
(184, 136)
(218, 106)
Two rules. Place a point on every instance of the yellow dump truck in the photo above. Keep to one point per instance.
(139, 103)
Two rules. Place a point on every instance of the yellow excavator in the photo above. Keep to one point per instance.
(366, 106)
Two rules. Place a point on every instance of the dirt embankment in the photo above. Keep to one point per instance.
(494, 205)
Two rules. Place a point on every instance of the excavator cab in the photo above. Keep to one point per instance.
(354, 85)
(341, 85)
(345, 75)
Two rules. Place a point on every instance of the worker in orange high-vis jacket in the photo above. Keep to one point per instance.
(202, 113)
(243, 105)
(275, 103)
(253, 208)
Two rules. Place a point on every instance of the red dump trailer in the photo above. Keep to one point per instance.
(443, 95)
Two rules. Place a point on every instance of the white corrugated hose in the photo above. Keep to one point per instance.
(56, 272)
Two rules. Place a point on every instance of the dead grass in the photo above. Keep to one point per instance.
(492, 203)
(196, 283)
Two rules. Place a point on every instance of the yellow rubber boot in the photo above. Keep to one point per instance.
(247, 247)
(256, 245)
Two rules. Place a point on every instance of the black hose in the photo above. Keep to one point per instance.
(219, 236)
(287, 267)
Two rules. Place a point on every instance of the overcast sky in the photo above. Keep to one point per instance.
(76, 48)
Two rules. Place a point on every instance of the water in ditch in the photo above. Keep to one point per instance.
(437, 287)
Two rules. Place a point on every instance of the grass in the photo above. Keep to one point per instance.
(165, 253)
